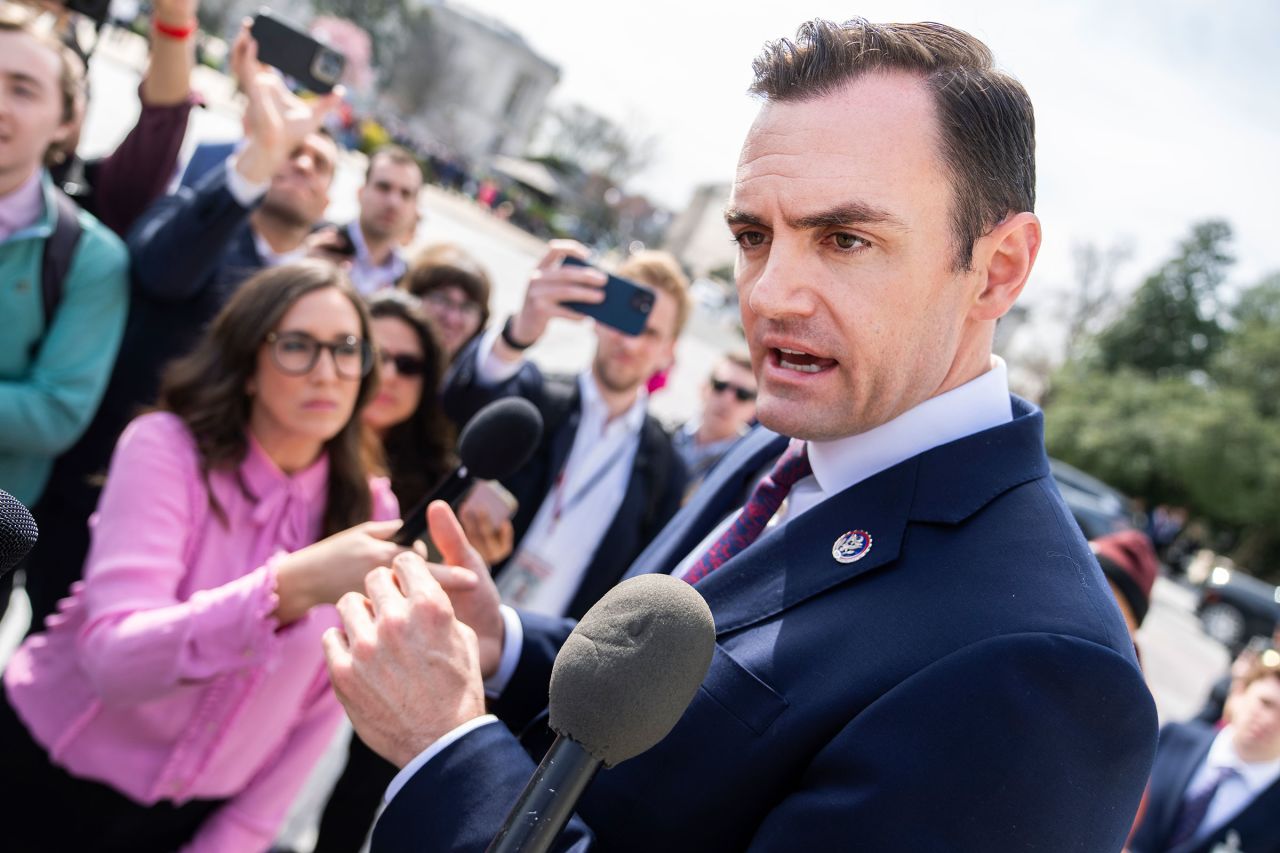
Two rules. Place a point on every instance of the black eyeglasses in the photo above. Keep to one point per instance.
(296, 354)
(466, 307)
(743, 394)
(406, 365)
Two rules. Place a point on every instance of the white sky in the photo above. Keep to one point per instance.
(1151, 115)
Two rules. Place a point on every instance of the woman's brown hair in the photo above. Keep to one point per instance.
(207, 388)
(418, 450)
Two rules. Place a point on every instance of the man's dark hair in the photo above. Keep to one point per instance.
(985, 117)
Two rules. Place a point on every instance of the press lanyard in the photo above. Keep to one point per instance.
(561, 504)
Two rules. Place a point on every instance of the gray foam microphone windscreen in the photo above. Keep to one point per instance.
(18, 531)
(632, 665)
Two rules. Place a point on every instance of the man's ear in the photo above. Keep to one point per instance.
(1005, 257)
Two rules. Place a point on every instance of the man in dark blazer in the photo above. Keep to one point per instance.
(1219, 789)
(612, 502)
(920, 653)
(188, 254)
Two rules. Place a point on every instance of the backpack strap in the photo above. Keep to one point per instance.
(59, 249)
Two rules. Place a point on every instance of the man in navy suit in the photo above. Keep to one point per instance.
(1217, 789)
(919, 653)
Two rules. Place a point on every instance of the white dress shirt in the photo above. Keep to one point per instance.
(545, 572)
(1236, 791)
(368, 277)
(979, 404)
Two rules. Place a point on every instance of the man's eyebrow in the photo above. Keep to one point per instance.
(23, 77)
(853, 213)
(734, 216)
(844, 215)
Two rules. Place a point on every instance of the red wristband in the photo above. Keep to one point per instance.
(180, 33)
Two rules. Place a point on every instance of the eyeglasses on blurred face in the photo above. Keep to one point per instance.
(744, 395)
(441, 301)
(296, 354)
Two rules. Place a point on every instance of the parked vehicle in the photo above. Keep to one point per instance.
(1097, 508)
(1235, 607)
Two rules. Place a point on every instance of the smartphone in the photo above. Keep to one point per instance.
(493, 500)
(315, 66)
(626, 306)
(94, 10)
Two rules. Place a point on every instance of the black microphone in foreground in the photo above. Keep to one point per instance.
(620, 683)
(494, 444)
(18, 532)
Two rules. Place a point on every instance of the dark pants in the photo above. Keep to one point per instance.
(44, 809)
(348, 816)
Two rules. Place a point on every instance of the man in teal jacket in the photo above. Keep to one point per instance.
(52, 369)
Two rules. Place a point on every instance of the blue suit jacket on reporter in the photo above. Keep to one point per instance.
(1183, 747)
(966, 686)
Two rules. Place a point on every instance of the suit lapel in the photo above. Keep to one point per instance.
(720, 493)
(562, 440)
(944, 485)
(796, 562)
(1185, 768)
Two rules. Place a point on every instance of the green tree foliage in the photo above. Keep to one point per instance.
(1250, 360)
(1178, 401)
(1170, 441)
(1172, 325)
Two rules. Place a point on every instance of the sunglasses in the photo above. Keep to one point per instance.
(406, 365)
(744, 395)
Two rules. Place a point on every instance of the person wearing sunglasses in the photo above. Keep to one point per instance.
(415, 441)
(728, 410)
(406, 414)
(179, 699)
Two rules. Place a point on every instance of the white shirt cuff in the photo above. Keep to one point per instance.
(490, 369)
(512, 643)
(244, 191)
(431, 752)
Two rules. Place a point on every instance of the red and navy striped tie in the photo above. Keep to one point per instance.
(756, 512)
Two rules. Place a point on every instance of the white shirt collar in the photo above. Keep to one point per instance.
(595, 411)
(1257, 775)
(394, 265)
(272, 258)
(979, 404)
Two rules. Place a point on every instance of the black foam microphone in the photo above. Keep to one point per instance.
(494, 444)
(18, 532)
(620, 683)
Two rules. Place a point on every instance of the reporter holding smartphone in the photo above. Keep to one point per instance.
(605, 477)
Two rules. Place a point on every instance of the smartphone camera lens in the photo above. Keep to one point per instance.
(328, 66)
(640, 304)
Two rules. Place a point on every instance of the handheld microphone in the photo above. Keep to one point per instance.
(494, 444)
(619, 685)
(18, 532)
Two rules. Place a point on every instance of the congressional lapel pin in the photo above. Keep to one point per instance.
(852, 546)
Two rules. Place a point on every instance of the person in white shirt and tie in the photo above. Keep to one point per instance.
(1217, 789)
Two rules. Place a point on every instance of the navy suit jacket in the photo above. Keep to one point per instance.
(204, 158)
(1182, 749)
(968, 685)
(654, 489)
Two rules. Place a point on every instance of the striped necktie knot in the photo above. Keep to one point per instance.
(761, 506)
